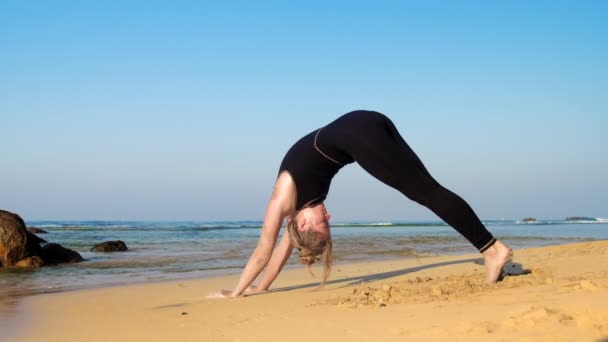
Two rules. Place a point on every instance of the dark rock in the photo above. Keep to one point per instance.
(34, 241)
(13, 239)
(21, 248)
(53, 253)
(529, 219)
(30, 262)
(36, 230)
(110, 246)
(580, 218)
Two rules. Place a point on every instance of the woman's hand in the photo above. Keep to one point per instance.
(219, 294)
(252, 289)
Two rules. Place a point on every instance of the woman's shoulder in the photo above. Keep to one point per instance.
(284, 192)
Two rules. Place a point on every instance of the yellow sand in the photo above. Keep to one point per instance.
(558, 293)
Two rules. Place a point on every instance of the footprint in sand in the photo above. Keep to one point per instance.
(587, 284)
(530, 319)
(542, 318)
(582, 285)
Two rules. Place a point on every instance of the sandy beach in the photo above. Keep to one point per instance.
(556, 293)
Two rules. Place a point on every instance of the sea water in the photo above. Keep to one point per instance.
(160, 251)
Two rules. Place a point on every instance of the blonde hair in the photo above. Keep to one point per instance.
(312, 247)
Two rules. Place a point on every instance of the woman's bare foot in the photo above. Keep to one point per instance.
(495, 259)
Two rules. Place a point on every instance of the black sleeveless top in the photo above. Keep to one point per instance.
(315, 159)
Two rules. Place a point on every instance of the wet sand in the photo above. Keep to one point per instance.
(556, 293)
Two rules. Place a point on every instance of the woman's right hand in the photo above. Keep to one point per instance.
(252, 289)
(219, 294)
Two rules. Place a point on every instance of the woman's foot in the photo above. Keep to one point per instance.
(494, 259)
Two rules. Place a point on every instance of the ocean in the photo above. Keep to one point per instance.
(160, 251)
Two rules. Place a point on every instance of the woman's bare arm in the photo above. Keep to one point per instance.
(276, 263)
(279, 206)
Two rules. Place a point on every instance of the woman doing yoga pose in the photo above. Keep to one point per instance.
(372, 140)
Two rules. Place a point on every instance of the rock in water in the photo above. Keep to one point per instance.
(34, 241)
(21, 248)
(110, 246)
(36, 230)
(53, 253)
(13, 239)
(30, 262)
(580, 218)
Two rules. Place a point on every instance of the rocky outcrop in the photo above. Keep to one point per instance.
(529, 219)
(54, 254)
(36, 230)
(21, 248)
(34, 241)
(110, 246)
(30, 262)
(580, 218)
(13, 239)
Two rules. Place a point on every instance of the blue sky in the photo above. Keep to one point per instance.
(183, 110)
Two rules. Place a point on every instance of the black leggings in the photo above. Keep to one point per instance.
(385, 155)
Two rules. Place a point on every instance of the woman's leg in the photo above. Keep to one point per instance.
(385, 155)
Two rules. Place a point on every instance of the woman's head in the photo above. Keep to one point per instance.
(309, 233)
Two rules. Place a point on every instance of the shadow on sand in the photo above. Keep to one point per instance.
(374, 277)
(511, 269)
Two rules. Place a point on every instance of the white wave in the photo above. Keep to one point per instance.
(529, 222)
(601, 220)
(586, 222)
(381, 224)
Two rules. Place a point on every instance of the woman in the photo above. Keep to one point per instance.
(372, 140)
